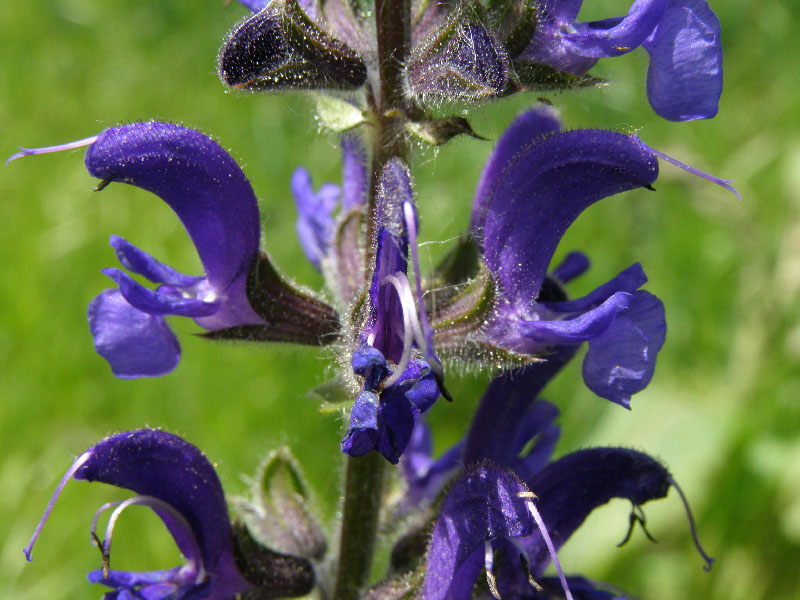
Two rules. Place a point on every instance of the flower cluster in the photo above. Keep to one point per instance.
(496, 502)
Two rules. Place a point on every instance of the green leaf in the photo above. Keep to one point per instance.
(337, 114)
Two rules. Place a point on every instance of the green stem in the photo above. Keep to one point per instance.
(362, 503)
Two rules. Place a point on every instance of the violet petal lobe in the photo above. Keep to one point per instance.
(543, 190)
(134, 343)
(684, 79)
(483, 504)
(424, 475)
(629, 280)
(200, 182)
(583, 327)
(574, 265)
(621, 361)
(362, 435)
(162, 465)
(616, 36)
(396, 419)
(157, 302)
(139, 261)
(573, 486)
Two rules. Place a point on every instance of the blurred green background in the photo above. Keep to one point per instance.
(723, 410)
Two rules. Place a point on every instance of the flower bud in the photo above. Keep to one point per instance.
(462, 61)
(282, 48)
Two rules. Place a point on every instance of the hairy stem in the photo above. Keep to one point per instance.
(392, 20)
(362, 503)
(388, 103)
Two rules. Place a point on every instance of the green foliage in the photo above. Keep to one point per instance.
(722, 411)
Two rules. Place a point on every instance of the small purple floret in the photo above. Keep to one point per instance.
(535, 184)
(216, 204)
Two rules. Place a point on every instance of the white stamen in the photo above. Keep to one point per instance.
(193, 557)
(400, 283)
(47, 149)
(548, 542)
(99, 512)
(425, 328)
(67, 476)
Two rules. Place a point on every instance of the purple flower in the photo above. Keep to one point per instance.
(535, 184)
(682, 37)
(216, 204)
(240, 296)
(488, 520)
(401, 375)
(179, 484)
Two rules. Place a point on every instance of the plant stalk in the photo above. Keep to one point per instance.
(362, 504)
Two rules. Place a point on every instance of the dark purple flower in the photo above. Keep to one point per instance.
(684, 80)
(180, 485)
(508, 455)
(535, 184)
(394, 356)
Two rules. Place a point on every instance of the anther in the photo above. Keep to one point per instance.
(636, 516)
(527, 568)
